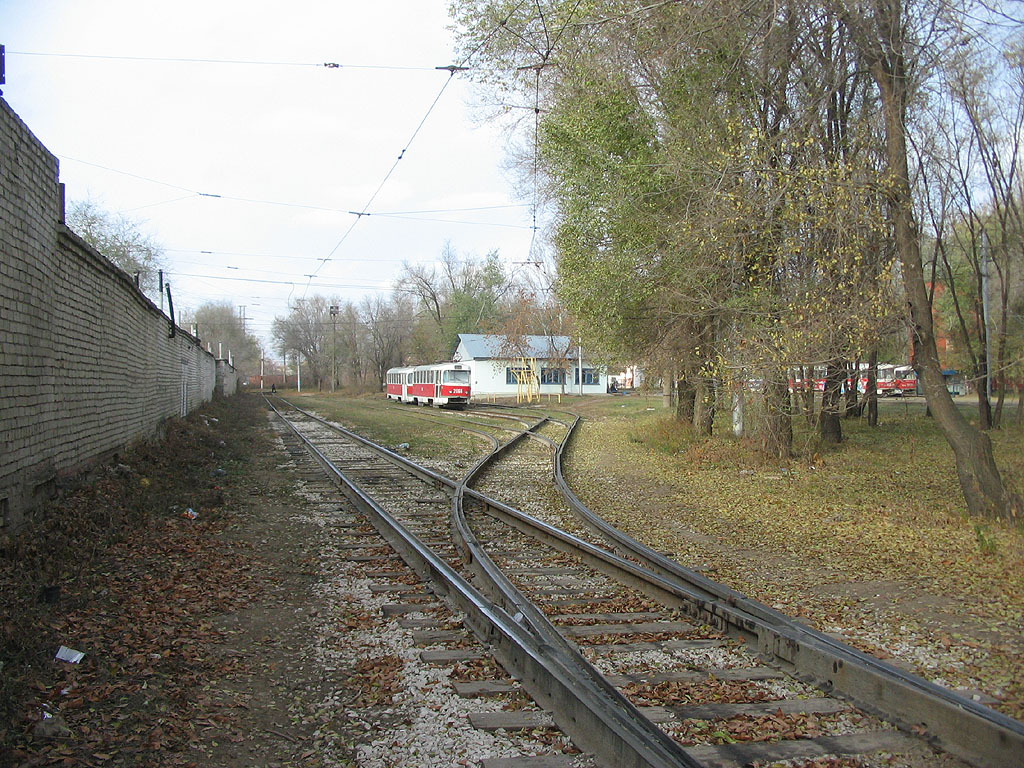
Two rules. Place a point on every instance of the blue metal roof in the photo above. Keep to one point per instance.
(486, 346)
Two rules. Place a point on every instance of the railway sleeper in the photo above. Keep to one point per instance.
(550, 680)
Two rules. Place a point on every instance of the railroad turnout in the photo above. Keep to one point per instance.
(628, 657)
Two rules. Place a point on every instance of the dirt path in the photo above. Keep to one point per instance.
(201, 624)
(226, 623)
(261, 709)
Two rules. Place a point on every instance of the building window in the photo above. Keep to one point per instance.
(590, 376)
(515, 376)
(552, 376)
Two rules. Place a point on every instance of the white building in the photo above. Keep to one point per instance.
(504, 367)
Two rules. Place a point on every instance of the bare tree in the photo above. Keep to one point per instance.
(350, 344)
(218, 324)
(305, 332)
(120, 239)
(883, 35)
(458, 295)
(386, 321)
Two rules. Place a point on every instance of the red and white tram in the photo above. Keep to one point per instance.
(440, 384)
(894, 380)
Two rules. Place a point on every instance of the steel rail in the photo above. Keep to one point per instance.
(457, 416)
(582, 707)
(478, 432)
(963, 727)
(526, 612)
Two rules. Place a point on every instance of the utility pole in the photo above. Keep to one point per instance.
(334, 345)
(580, 363)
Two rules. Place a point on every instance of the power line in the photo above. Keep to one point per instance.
(248, 269)
(129, 173)
(452, 210)
(358, 214)
(452, 69)
(154, 205)
(411, 215)
(236, 62)
(447, 221)
(280, 282)
(387, 176)
(372, 259)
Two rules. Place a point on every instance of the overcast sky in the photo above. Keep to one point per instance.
(290, 146)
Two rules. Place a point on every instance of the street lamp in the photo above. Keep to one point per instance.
(334, 345)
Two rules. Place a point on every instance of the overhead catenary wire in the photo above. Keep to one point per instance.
(214, 252)
(189, 191)
(452, 69)
(154, 205)
(236, 62)
(414, 215)
(284, 282)
(363, 212)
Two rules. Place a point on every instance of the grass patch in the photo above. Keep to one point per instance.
(424, 430)
(871, 535)
(880, 515)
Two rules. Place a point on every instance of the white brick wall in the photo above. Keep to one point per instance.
(87, 364)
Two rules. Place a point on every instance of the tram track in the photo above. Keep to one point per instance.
(591, 711)
(573, 606)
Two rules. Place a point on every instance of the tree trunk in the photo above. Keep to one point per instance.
(806, 396)
(881, 40)
(778, 417)
(984, 404)
(738, 409)
(686, 395)
(704, 406)
(852, 375)
(666, 390)
(997, 414)
(871, 388)
(830, 427)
